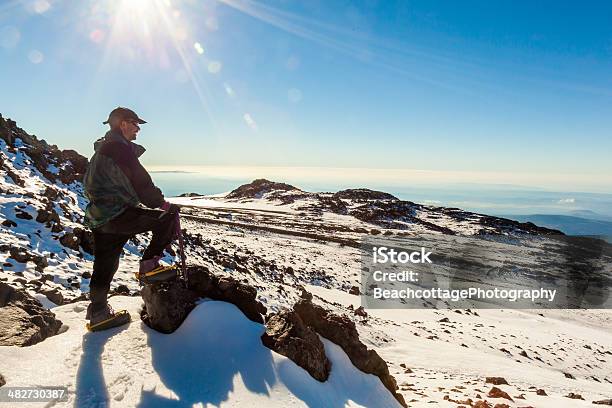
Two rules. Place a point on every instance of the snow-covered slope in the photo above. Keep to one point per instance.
(216, 357)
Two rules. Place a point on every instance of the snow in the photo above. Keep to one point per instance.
(215, 358)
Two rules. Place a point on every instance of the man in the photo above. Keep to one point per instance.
(123, 202)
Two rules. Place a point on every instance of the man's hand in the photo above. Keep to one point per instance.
(170, 208)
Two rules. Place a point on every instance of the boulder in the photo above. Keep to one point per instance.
(496, 381)
(70, 240)
(498, 393)
(342, 331)
(2, 380)
(85, 239)
(167, 304)
(23, 320)
(54, 295)
(603, 402)
(205, 284)
(287, 334)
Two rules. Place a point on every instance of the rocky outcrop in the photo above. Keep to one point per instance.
(69, 165)
(2, 380)
(501, 225)
(257, 188)
(167, 304)
(387, 213)
(190, 195)
(363, 194)
(23, 320)
(287, 334)
(342, 331)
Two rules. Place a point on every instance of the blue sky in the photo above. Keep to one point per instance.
(512, 91)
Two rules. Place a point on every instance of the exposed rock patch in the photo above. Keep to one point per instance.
(23, 320)
(496, 381)
(342, 331)
(499, 393)
(167, 304)
(287, 334)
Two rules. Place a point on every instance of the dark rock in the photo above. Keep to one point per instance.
(541, 392)
(23, 320)
(22, 255)
(571, 395)
(2, 380)
(87, 275)
(342, 331)
(334, 205)
(498, 393)
(85, 239)
(360, 311)
(603, 402)
(54, 295)
(22, 214)
(570, 376)
(47, 214)
(122, 290)
(354, 290)
(287, 334)
(9, 223)
(69, 240)
(167, 304)
(496, 381)
(51, 193)
(227, 289)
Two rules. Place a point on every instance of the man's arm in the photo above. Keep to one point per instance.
(127, 161)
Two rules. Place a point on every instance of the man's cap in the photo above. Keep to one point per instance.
(123, 114)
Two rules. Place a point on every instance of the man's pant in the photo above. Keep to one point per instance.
(110, 238)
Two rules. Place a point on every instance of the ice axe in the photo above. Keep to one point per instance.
(179, 233)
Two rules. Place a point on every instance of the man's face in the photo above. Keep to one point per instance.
(130, 129)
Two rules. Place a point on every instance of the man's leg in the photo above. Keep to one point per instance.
(107, 250)
(138, 220)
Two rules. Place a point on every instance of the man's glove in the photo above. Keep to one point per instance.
(170, 208)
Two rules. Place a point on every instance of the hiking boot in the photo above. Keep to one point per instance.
(96, 316)
(105, 318)
(152, 271)
(149, 265)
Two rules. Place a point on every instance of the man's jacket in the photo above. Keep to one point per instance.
(115, 180)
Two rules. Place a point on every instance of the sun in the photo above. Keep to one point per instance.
(140, 8)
